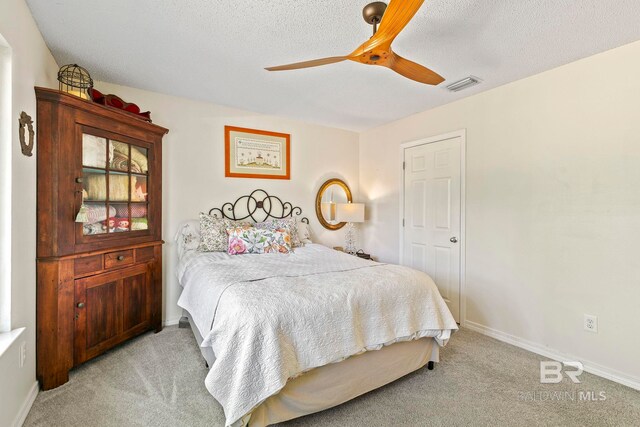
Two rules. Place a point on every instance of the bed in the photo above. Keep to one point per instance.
(289, 335)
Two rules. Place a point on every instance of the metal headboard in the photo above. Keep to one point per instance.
(259, 206)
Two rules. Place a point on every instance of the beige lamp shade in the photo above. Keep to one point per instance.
(350, 212)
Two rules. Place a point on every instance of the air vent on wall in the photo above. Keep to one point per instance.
(463, 84)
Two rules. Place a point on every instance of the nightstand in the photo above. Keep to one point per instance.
(363, 255)
(359, 254)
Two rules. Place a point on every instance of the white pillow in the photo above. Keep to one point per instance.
(304, 231)
(188, 237)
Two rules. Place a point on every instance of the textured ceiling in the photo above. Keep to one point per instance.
(215, 50)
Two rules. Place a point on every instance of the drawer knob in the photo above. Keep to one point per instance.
(79, 180)
(120, 257)
(80, 304)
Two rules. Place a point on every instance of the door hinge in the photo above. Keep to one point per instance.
(404, 164)
(403, 222)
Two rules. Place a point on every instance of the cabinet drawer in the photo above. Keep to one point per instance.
(118, 259)
(145, 254)
(89, 264)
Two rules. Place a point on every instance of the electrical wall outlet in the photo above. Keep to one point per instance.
(591, 323)
(23, 353)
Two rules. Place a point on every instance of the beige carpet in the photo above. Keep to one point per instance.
(157, 380)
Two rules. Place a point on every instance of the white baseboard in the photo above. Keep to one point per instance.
(171, 322)
(26, 406)
(591, 367)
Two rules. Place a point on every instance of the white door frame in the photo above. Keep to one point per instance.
(462, 134)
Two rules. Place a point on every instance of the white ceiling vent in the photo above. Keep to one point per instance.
(463, 84)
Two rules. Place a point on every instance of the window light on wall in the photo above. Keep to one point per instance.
(5, 185)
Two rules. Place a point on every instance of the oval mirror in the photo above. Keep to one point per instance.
(331, 193)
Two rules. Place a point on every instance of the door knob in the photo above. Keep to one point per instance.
(80, 304)
(453, 240)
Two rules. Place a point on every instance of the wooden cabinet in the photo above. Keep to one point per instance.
(99, 280)
(110, 308)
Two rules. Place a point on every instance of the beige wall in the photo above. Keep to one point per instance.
(193, 155)
(32, 64)
(552, 205)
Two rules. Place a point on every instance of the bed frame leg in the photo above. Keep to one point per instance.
(430, 365)
(184, 322)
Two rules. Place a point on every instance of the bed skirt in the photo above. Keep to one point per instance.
(331, 385)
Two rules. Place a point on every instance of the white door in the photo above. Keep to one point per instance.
(432, 214)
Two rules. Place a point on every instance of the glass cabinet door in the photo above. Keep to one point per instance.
(115, 178)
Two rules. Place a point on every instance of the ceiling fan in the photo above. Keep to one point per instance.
(377, 50)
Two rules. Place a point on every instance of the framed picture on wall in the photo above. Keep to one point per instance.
(252, 153)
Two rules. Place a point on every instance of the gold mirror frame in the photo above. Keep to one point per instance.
(321, 191)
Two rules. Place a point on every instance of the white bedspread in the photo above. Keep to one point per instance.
(269, 318)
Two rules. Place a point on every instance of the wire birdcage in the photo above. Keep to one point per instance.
(74, 80)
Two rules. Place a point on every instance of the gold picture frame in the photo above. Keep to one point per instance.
(253, 153)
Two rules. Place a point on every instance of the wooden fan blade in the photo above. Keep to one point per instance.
(308, 64)
(413, 71)
(395, 18)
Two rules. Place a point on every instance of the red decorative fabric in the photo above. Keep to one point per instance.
(117, 102)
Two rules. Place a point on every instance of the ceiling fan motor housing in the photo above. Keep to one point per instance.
(372, 13)
(374, 57)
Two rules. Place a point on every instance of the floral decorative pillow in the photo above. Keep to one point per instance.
(290, 224)
(213, 233)
(251, 240)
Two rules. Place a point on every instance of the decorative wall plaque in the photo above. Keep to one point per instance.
(25, 120)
